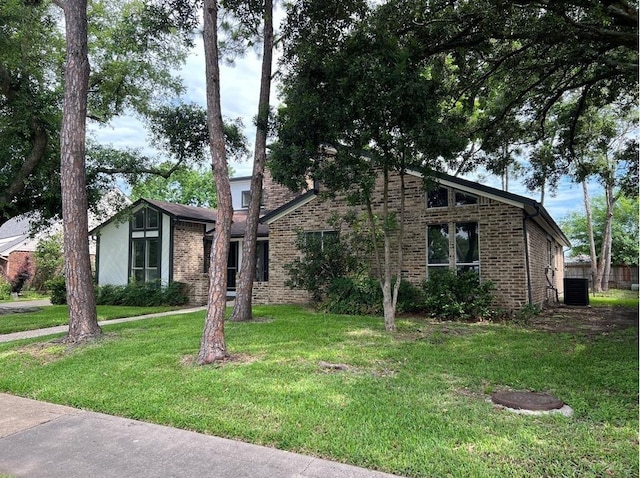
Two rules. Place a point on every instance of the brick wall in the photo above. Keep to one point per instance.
(18, 260)
(501, 242)
(275, 195)
(188, 260)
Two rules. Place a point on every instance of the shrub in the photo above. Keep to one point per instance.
(49, 260)
(22, 277)
(459, 296)
(5, 289)
(58, 290)
(142, 294)
(362, 295)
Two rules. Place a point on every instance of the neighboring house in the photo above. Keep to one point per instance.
(509, 239)
(17, 247)
(19, 240)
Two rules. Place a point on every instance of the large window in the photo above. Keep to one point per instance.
(145, 219)
(321, 238)
(262, 261)
(145, 259)
(459, 251)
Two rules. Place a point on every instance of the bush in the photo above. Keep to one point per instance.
(23, 276)
(362, 295)
(142, 294)
(58, 290)
(5, 289)
(459, 296)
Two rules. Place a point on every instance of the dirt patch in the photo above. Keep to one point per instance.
(585, 320)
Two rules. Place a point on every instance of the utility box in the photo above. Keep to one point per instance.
(576, 291)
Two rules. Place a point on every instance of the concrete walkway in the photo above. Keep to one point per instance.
(61, 329)
(39, 439)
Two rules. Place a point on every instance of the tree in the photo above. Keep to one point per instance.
(362, 104)
(244, 287)
(185, 186)
(539, 51)
(134, 47)
(83, 321)
(212, 345)
(624, 247)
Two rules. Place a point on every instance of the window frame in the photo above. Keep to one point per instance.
(452, 235)
(439, 190)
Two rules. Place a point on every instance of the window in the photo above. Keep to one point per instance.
(145, 218)
(320, 237)
(438, 198)
(464, 199)
(467, 256)
(437, 247)
(459, 252)
(145, 259)
(246, 197)
(262, 261)
(145, 245)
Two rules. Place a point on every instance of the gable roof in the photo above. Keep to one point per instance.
(533, 208)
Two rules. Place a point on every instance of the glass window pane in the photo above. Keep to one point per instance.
(152, 253)
(463, 199)
(245, 198)
(438, 244)
(138, 219)
(467, 243)
(152, 274)
(438, 198)
(152, 219)
(138, 275)
(138, 254)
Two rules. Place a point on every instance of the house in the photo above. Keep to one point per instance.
(19, 236)
(509, 239)
(157, 240)
(17, 247)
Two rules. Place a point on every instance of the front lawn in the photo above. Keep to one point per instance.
(50, 316)
(414, 403)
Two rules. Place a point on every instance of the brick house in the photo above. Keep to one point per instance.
(509, 239)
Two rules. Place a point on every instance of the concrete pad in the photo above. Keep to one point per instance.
(69, 443)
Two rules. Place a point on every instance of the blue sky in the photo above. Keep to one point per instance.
(239, 97)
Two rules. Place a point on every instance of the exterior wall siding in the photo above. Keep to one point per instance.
(501, 242)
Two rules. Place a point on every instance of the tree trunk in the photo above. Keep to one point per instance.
(83, 323)
(595, 287)
(387, 296)
(244, 289)
(212, 345)
(605, 266)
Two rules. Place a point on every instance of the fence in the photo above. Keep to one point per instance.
(621, 277)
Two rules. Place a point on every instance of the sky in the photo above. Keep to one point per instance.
(239, 98)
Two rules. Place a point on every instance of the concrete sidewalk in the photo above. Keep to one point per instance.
(39, 439)
(61, 329)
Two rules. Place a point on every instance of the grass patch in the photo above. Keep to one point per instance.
(338, 387)
(615, 298)
(50, 316)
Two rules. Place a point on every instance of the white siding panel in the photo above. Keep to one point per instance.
(165, 259)
(113, 256)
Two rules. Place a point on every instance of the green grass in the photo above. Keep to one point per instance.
(615, 298)
(413, 403)
(50, 316)
(26, 295)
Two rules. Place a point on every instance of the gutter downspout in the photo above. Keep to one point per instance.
(526, 251)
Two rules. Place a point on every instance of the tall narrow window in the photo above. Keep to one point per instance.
(467, 253)
(437, 248)
(145, 245)
(262, 261)
(145, 259)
